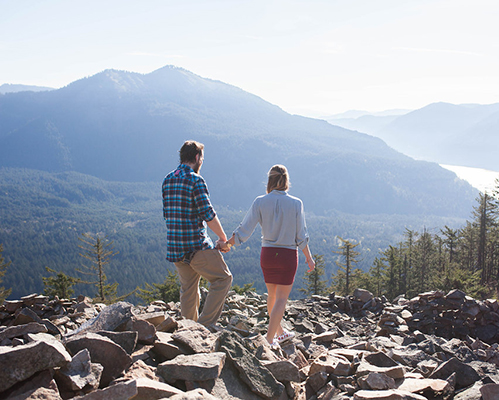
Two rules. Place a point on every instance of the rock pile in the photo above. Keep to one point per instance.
(435, 346)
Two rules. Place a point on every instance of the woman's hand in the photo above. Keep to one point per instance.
(311, 264)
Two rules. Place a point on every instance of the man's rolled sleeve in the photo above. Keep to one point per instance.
(202, 201)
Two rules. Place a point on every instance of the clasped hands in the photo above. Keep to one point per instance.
(225, 245)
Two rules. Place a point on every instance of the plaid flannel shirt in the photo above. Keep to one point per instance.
(186, 207)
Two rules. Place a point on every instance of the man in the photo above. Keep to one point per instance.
(187, 210)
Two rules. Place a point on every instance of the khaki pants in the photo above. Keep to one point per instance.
(210, 265)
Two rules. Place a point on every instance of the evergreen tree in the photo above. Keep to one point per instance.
(391, 272)
(408, 245)
(4, 293)
(345, 271)
(247, 287)
(485, 220)
(450, 241)
(377, 280)
(314, 284)
(168, 291)
(424, 267)
(60, 285)
(99, 251)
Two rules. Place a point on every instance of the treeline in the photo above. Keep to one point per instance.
(466, 258)
(43, 214)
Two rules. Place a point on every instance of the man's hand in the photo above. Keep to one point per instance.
(223, 246)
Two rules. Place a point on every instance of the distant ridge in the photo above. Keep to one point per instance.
(14, 88)
(455, 134)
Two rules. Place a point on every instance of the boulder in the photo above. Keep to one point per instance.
(196, 367)
(102, 351)
(26, 360)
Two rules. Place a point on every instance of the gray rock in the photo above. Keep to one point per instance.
(362, 295)
(472, 393)
(168, 348)
(26, 360)
(393, 394)
(196, 394)
(365, 368)
(21, 330)
(376, 381)
(102, 351)
(490, 391)
(196, 337)
(149, 389)
(380, 359)
(127, 340)
(146, 331)
(284, 370)
(196, 367)
(80, 373)
(120, 391)
(251, 371)
(26, 316)
(465, 375)
(110, 318)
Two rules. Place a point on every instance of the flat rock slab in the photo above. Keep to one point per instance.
(21, 330)
(148, 389)
(365, 368)
(421, 385)
(197, 338)
(120, 391)
(26, 360)
(386, 395)
(196, 367)
(110, 318)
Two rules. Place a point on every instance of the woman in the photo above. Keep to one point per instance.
(284, 231)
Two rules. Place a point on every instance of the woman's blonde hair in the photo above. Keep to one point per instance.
(278, 178)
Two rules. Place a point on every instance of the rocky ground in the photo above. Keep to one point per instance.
(434, 346)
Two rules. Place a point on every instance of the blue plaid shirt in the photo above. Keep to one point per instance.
(186, 205)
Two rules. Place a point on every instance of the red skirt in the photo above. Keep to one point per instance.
(279, 265)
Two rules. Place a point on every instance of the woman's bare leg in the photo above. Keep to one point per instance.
(276, 305)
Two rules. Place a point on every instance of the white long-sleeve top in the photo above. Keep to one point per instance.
(282, 219)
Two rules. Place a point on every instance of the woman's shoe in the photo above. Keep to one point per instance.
(285, 336)
(274, 345)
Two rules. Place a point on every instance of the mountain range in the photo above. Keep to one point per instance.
(464, 135)
(125, 126)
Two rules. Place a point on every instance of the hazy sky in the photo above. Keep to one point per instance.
(309, 57)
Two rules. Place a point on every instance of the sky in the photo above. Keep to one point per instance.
(313, 57)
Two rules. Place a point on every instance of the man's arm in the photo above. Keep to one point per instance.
(216, 227)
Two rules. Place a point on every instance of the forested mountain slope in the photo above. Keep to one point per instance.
(125, 126)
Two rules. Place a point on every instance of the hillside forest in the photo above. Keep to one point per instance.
(48, 214)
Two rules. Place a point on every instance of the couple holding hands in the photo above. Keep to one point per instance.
(187, 210)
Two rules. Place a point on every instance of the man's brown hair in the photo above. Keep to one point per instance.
(189, 150)
(278, 178)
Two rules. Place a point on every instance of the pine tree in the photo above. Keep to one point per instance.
(4, 293)
(391, 272)
(350, 259)
(167, 291)
(314, 284)
(485, 214)
(377, 280)
(60, 285)
(99, 251)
